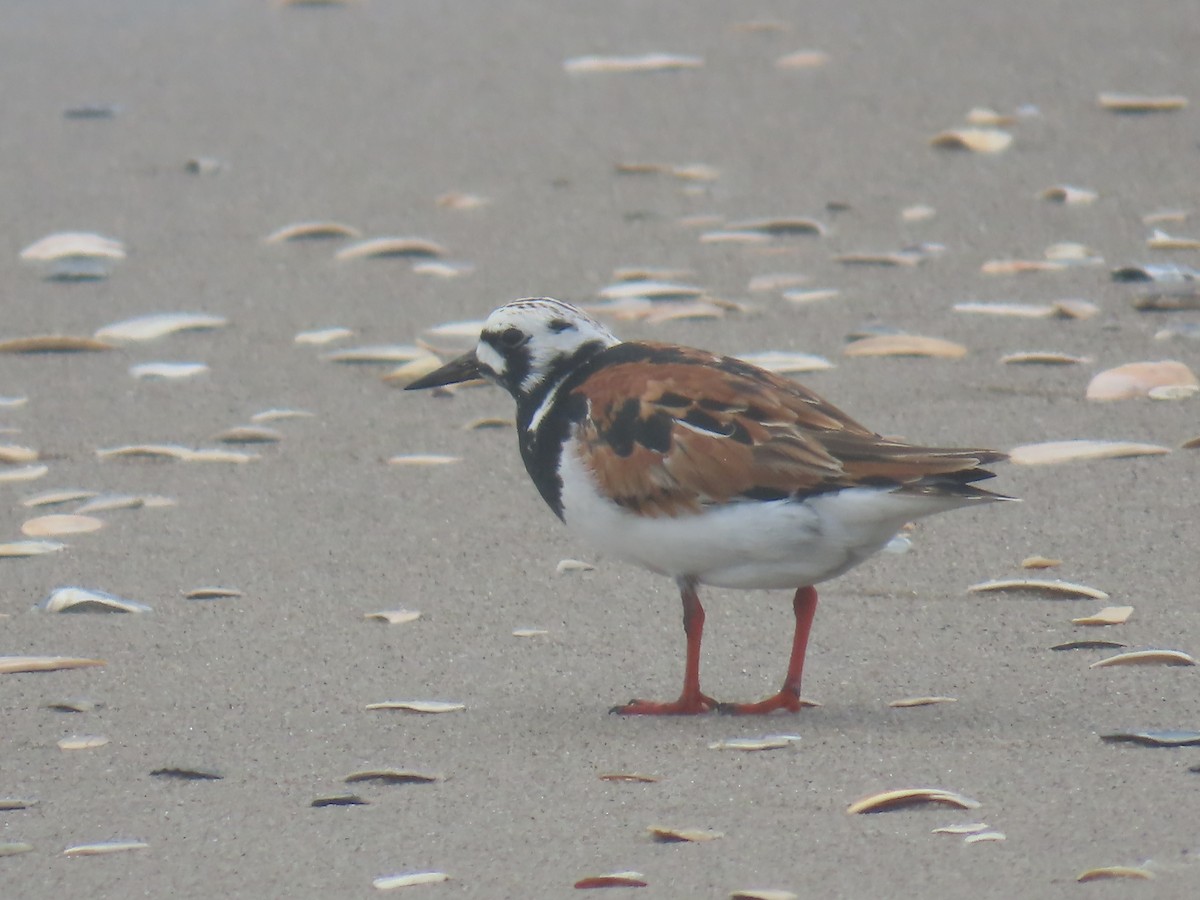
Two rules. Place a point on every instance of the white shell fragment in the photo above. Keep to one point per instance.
(167, 371)
(1160, 240)
(888, 800)
(381, 247)
(786, 363)
(1040, 586)
(461, 200)
(11, 455)
(101, 848)
(23, 549)
(394, 616)
(613, 879)
(651, 288)
(404, 375)
(1043, 358)
(967, 828)
(249, 434)
(110, 502)
(1100, 873)
(1140, 103)
(629, 777)
(308, 231)
(646, 62)
(573, 565)
(779, 226)
(75, 599)
(14, 848)
(1069, 195)
(423, 459)
(802, 59)
(775, 281)
(905, 345)
(468, 330)
(57, 525)
(750, 745)
(73, 243)
(1146, 658)
(152, 327)
(22, 473)
(408, 879)
(984, 836)
(82, 742)
(320, 336)
(804, 297)
(1139, 379)
(1110, 615)
(683, 835)
(529, 632)
(376, 353)
(908, 702)
(440, 268)
(431, 707)
(175, 452)
(1040, 562)
(1052, 452)
(54, 343)
(684, 172)
(16, 664)
(918, 212)
(276, 415)
(213, 593)
(977, 140)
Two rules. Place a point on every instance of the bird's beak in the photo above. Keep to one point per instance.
(464, 368)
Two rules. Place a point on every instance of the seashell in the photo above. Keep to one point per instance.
(779, 226)
(977, 139)
(176, 452)
(1169, 297)
(1104, 872)
(489, 422)
(1074, 309)
(213, 593)
(1021, 266)
(750, 745)
(56, 525)
(468, 329)
(442, 269)
(1040, 562)
(54, 343)
(188, 773)
(896, 799)
(1110, 615)
(985, 116)
(275, 415)
(1043, 358)
(157, 325)
(1154, 738)
(984, 836)
(918, 212)
(431, 707)
(461, 200)
(14, 848)
(729, 236)
(308, 231)
(14, 803)
(683, 835)
(1138, 379)
(645, 62)
(802, 59)
(650, 288)
(1146, 658)
(786, 363)
(775, 281)
(394, 616)
(101, 848)
(1089, 645)
(319, 336)
(394, 776)
(22, 473)
(1052, 452)
(16, 664)
(1015, 310)
(11, 455)
(685, 172)
(1168, 273)
(56, 498)
(630, 777)
(905, 345)
(1173, 391)
(82, 742)
(24, 549)
(75, 705)
(613, 879)
(76, 599)
(408, 879)
(905, 257)
(73, 243)
(802, 297)
(763, 894)
(1160, 240)
(167, 371)
(404, 375)
(382, 247)
(339, 800)
(529, 632)
(203, 165)
(423, 459)
(672, 312)
(376, 353)
(1069, 195)
(968, 828)
(1041, 586)
(158, 501)
(1070, 251)
(920, 701)
(1191, 444)
(249, 434)
(13, 402)
(1161, 216)
(573, 565)
(1140, 103)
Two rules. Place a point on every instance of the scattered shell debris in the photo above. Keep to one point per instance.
(813, 296)
(1110, 615)
(23, 473)
(651, 289)
(684, 172)
(82, 742)
(984, 836)
(394, 776)
(629, 777)
(213, 593)
(382, 247)
(573, 565)
(423, 459)
(976, 140)
(1146, 658)
(102, 848)
(1089, 645)
(489, 422)
(203, 165)
(441, 268)
(175, 452)
(897, 799)
(59, 525)
(1053, 588)
(249, 434)
(907, 702)
(1043, 358)
(55, 343)
(1160, 240)
(1062, 309)
(1166, 273)
(918, 212)
(431, 707)
(394, 616)
(159, 325)
(775, 281)
(11, 454)
(406, 374)
(802, 59)
(14, 848)
(73, 243)
(786, 363)
(319, 336)
(14, 803)
(17, 664)
(74, 705)
(905, 345)
(188, 773)
(1053, 452)
(1069, 195)
(529, 632)
(112, 503)
(1105, 872)
(24, 549)
(1140, 103)
(408, 879)
(1139, 379)
(308, 231)
(683, 835)
(79, 600)
(278, 415)
(168, 371)
(753, 744)
(967, 828)
(613, 879)
(779, 226)
(645, 62)
(1154, 738)
(461, 200)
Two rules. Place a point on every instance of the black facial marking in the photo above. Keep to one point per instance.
(558, 326)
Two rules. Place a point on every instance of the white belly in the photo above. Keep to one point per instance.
(750, 544)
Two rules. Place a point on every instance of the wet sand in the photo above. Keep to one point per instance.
(366, 114)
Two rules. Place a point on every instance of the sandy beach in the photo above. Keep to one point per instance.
(371, 113)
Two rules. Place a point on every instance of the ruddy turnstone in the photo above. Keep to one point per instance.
(704, 468)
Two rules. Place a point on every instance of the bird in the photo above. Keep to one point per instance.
(705, 469)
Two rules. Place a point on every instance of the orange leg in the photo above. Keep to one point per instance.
(804, 605)
(691, 701)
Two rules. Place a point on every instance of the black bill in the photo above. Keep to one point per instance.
(464, 368)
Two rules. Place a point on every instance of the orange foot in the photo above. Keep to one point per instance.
(684, 706)
(786, 700)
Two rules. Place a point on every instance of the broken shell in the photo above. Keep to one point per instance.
(573, 565)
(54, 343)
(74, 599)
(779, 226)
(1173, 391)
(378, 248)
(1166, 273)
(1043, 358)
(22, 473)
(983, 115)
(1070, 251)
(107, 502)
(1040, 562)
(529, 632)
(423, 459)
(249, 434)
(1015, 310)
(977, 140)
(320, 336)
(203, 165)
(918, 212)
(394, 616)
(74, 705)
(1154, 738)
(801, 297)
(631, 777)
(461, 200)
(1075, 309)
(1089, 645)
(1060, 588)
(1021, 266)
(187, 773)
(686, 172)
(431, 707)
(1138, 379)
(614, 879)
(802, 59)
(1110, 615)
(776, 281)
(1052, 452)
(442, 269)
(82, 742)
(969, 828)
(101, 848)
(377, 353)
(772, 742)
(683, 835)
(1068, 195)
(212, 593)
(905, 345)
(394, 776)
(1160, 216)
(984, 836)
(56, 525)
(889, 800)
(1146, 658)
(1160, 240)
(921, 701)
(14, 848)
(651, 288)
(339, 800)
(275, 415)
(489, 422)
(167, 371)
(729, 236)
(763, 894)
(408, 879)
(1140, 103)
(17, 664)
(645, 62)
(11, 455)
(176, 452)
(23, 549)
(15, 803)
(406, 374)
(1103, 872)
(786, 363)
(307, 231)
(73, 243)
(152, 327)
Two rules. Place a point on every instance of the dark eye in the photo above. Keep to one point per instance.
(512, 338)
